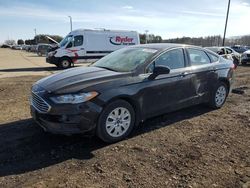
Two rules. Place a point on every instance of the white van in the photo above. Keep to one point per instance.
(81, 45)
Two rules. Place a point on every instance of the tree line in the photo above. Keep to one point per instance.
(37, 39)
(215, 40)
(207, 41)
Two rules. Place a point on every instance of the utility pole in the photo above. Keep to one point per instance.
(35, 35)
(146, 37)
(225, 30)
(70, 19)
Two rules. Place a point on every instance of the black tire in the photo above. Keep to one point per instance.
(102, 132)
(213, 103)
(65, 63)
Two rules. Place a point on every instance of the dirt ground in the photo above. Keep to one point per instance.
(194, 147)
(15, 63)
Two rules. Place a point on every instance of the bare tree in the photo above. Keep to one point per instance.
(10, 42)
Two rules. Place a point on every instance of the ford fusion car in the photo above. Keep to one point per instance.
(128, 86)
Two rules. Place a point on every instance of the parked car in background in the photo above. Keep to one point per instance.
(236, 56)
(80, 45)
(238, 48)
(25, 47)
(129, 86)
(43, 49)
(28, 48)
(16, 47)
(33, 48)
(5, 46)
(245, 58)
(227, 53)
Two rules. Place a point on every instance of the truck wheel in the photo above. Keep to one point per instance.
(116, 121)
(65, 63)
(219, 96)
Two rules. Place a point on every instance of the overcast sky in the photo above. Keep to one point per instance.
(169, 19)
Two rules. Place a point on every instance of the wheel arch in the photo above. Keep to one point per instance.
(66, 57)
(225, 81)
(132, 102)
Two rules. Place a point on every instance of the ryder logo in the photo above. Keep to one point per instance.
(121, 40)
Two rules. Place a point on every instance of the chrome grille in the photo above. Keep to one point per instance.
(39, 104)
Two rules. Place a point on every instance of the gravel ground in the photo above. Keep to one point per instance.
(194, 147)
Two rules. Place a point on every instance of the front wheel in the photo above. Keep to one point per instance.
(116, 121)
(65, 63)
(219, 95)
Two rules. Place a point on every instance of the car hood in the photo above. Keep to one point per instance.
(77, 79)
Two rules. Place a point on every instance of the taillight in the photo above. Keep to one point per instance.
(233, 66)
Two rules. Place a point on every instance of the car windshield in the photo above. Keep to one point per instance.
(65, 40)
(125, 60)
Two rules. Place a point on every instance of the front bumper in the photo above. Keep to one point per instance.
(53, 60)
(68, 123)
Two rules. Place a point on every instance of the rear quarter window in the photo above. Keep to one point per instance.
(198, 57)
(213, 58)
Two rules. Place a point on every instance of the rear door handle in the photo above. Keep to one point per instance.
(183, 74)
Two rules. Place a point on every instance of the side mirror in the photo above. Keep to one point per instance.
(159, 70)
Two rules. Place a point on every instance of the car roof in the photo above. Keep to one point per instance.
(163, 46)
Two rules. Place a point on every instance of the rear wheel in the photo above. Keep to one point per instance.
(219, 95)
(65, 63)
(116, 121)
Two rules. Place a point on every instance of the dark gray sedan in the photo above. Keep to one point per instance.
(129, 86)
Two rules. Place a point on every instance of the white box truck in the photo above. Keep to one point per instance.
(84, 44)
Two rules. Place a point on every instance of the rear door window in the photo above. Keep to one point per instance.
(198, 57)
(173, 59)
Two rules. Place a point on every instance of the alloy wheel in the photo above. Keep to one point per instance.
(220, 95)
(118, 122)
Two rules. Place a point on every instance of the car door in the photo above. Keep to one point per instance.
(167, 92)
(203, 75)
(75, 48)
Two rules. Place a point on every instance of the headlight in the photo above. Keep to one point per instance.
(50, 54)
(74, 98)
